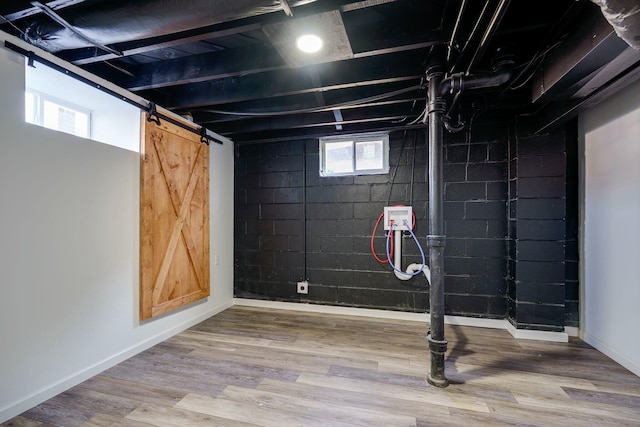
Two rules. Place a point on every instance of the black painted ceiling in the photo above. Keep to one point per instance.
(233, 67)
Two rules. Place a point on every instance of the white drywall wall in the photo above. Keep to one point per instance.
(610, 250)
(69, 225)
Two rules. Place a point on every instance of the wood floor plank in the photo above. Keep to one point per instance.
(98, 402)
(252, 413)
(21, 421)
(295, 360)
(425, 396)
(342, 413)
(254, 366)
(134, 390)
(104, 420)
(162, 416)
(516, 381)
(609, 398)
(600, 411)
(59, 413)
(155, 378)
(332, 397)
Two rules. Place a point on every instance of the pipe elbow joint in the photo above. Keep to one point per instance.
(458, 82)
(411, 271)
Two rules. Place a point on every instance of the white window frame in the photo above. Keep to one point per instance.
(349, 145)
(36, 116)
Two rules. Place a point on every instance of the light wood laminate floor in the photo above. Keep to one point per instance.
(251, 366)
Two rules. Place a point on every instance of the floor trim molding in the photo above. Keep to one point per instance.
(528, 334)
(503, 324)
(369, 312)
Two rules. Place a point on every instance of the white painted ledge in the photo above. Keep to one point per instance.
(527, 334)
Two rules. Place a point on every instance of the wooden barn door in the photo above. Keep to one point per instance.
(174, 218)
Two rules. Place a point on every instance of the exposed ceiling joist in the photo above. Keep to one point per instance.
(340, 75)
(232, 75)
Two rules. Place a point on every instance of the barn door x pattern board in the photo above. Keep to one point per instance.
(174, 219)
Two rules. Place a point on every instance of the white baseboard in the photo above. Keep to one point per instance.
(527, 334)
(612, 353)
(16, 408)
(503, 324)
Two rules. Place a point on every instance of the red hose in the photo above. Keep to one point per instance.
(373, 233)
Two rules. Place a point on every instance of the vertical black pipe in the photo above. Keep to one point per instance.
(436, 237)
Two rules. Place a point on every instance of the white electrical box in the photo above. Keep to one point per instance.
(398, 215)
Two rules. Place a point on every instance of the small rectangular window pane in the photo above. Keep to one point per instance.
(64, 119)
(339, 157)
(369, 155)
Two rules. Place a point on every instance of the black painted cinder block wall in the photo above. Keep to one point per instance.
(291, 225)
(540, 263)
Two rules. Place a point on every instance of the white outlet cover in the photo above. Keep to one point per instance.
(303, 287)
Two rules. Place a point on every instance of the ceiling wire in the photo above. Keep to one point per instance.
(314, 109)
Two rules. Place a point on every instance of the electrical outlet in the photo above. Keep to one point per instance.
(303, 287)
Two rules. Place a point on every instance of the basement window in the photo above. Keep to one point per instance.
(360, 154)
(59, 102)
(56, 114)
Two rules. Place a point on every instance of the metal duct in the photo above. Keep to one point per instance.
(624, 17)
(117, 21)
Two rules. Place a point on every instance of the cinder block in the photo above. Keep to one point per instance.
(465, 191)
(545, 229)
(353, 193)
(456, 172)
(541, 187)
(486, 248)
(287, 195)
(539, 315)
(454, 210)
(541, 272)
(537, 250)
(281, 211)
(540, 293)
(466, 228)
(486, 209)
(540, 209)
(486, 172)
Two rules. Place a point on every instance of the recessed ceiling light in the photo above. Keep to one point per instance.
(309, 43)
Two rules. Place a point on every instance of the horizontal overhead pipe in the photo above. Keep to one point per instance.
(459, 82)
